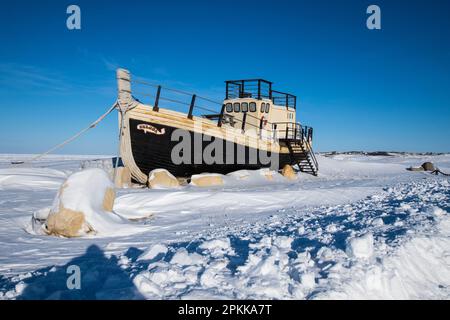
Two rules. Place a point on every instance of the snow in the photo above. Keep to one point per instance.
(84, 191)
(183, 258)
(364, 229)
(153, 252)
(418, 269)
(26, 178)
(361, 247)
(218, 247)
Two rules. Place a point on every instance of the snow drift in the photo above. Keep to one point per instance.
(83, 206)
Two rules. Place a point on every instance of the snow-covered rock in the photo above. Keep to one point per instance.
(162, 179)
(207, 180)
(83, 204)
(122, 177)
(288, 172)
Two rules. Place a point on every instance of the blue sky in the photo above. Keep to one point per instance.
(360, 89)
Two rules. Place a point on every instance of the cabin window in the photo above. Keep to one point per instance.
(263, 107)
(267, 107)
(244, 106)
(229, 107)
(252, 106)
(237, 107)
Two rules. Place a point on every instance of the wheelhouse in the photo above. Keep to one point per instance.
(252, 104)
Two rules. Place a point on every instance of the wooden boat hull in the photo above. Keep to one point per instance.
(153, 151)
(146, 144)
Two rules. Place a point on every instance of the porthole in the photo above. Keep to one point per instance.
(263, 107)
(267, 107)
(252, 107)
(229, 107)
(244, 107)
(237, 107)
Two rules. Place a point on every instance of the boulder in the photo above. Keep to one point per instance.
(66, 223)
(122, 178)
(84, 201)
(208, 180)
(108, 199)
(288, 172)
(162, 179)
(428, 166)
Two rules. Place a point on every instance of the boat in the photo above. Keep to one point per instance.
(254, 127)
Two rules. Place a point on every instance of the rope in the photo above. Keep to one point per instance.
(143, 82)
(62, 144)
(437, 171)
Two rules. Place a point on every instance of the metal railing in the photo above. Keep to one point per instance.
(195, 105)
(284, 99)
(250, 88)
(292, 131)
(258, 89)
(295, 132)
(312, 155)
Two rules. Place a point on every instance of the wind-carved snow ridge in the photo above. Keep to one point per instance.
(394, 245)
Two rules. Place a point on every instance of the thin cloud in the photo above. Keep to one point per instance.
(109, 64)
(19, 76)
(32, 79)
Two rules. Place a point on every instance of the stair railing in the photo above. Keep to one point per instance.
(313, 156)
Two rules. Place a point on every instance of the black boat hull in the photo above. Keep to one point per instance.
(152, 146)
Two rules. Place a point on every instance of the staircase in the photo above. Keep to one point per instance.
(303, 156)
(297, 139)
